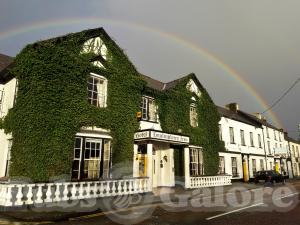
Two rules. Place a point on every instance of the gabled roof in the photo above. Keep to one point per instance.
(161, 86)
(238, 116)
(5, 63)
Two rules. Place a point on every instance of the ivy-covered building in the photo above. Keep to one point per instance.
(83, 112)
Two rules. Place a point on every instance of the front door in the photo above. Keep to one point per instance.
(163, 168)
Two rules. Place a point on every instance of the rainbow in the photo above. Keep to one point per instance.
(190, 45)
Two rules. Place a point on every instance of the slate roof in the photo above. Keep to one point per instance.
(262, 121)
(161, 86)
(291, 139)
(238, 116)
(6, 62)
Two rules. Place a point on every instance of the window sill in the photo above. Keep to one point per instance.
(149, 121)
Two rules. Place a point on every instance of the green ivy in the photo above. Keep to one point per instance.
(52, 104)
(174, 115)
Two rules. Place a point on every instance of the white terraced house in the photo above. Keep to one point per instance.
(294, 149)
(252, 144)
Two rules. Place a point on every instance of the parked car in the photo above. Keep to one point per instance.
(269, 176)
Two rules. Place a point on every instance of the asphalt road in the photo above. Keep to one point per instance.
(278, 204)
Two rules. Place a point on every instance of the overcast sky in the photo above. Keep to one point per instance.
(259, 39)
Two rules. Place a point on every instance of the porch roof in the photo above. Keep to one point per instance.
(161, 136)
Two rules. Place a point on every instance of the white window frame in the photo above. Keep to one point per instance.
(101, 98)
(242, 134)
(104, 157)
(221, 165)
(269, 147)
(196, 162)
(149, 109)
(259, 141)
(231, 135)
(8, 157)
(234, 168)
(262, 166)
(251, 139)
(254, 169)
(193, 115)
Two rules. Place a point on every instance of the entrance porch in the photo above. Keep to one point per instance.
(168, 158)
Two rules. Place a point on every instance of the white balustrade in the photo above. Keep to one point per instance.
(28, 194)
(208, 181)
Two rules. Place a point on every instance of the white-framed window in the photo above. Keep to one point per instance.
(1, 102)
(234, 167)
(275, 136)
(149, 109)
(279, 136)
(251, 139)
(220, 132)
(231, 133)
(91, 158)
(259, 141)
(9, 145)
(242, 133)
(254, 166)
(97, 90)
(267, 131)
(262, 167)
(196, 161)
(269, 147)
(221, 165)
(193, 115)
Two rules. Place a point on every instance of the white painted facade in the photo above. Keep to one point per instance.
(295, 156)
(268, 149)
(8, 91)
(241, 150)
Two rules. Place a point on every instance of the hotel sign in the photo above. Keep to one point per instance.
(157, 135)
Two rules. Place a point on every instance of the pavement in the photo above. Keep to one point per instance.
(168, 206)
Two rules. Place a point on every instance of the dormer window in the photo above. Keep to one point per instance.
(149, 109)
(193, 115)
(192, 87)
(97, 90)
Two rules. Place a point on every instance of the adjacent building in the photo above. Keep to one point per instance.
(252, 144)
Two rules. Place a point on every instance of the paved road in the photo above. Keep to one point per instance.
(274, 205)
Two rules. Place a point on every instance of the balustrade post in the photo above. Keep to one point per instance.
(48, 193)
(19, 195)
(8, 196)
(29, 196)
(65, 191)
(81, 190)
(88, 190)
(73, 192)
(57, 193)
(39, 194)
